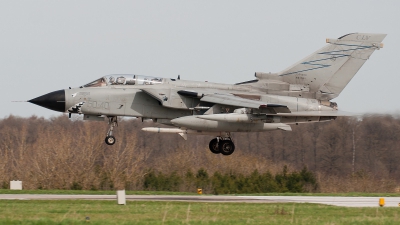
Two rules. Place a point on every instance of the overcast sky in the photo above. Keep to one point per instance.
(52, 45)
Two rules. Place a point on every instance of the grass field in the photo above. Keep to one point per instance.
(144, 212)
(86, 192)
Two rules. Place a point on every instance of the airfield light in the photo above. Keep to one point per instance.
(381, 202)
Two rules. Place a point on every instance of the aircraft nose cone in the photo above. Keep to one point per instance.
(54, 100)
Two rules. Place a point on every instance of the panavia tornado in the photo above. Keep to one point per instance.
(301, 93)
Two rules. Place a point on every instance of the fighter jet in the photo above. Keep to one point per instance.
(302, 93)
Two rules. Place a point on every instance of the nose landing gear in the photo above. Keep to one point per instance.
(112, 121)
(110, 140)
(221, 145)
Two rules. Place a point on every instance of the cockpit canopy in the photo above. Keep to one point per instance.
(124, 79)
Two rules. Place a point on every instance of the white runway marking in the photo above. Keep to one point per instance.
(336, 201)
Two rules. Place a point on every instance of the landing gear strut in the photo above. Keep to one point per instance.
(221, 145)
(112, 121)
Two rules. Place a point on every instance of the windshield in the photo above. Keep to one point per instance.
(124, 79)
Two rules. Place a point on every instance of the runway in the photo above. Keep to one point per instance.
(336, 201)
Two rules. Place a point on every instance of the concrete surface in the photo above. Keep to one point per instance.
(336, 201)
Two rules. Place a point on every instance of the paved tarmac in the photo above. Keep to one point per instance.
(336, 201)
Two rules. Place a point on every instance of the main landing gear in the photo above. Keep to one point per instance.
(112, 121)
(221, 145)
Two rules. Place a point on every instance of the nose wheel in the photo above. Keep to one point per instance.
(224, 146)
(110, 139)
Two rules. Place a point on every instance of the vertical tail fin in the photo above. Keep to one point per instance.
(327, 71)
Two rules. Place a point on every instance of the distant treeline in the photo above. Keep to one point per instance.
(345, 155)
(229, 183)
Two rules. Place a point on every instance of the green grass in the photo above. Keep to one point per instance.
(144, 212)
(86, 192)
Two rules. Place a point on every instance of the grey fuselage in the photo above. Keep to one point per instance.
(132, 101)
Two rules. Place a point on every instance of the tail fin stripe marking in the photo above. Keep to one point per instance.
(306, 63)
(319, 66)
(336, 54)
(330, 58)
(351, 49)
(333, 54)
(365, 46)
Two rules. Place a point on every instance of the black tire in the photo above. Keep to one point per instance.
(226, 147)
(214, 148)
(110, 140)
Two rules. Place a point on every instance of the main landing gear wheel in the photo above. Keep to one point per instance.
(110, 140)
(223, 145)
(214, 147)
(226, 147)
